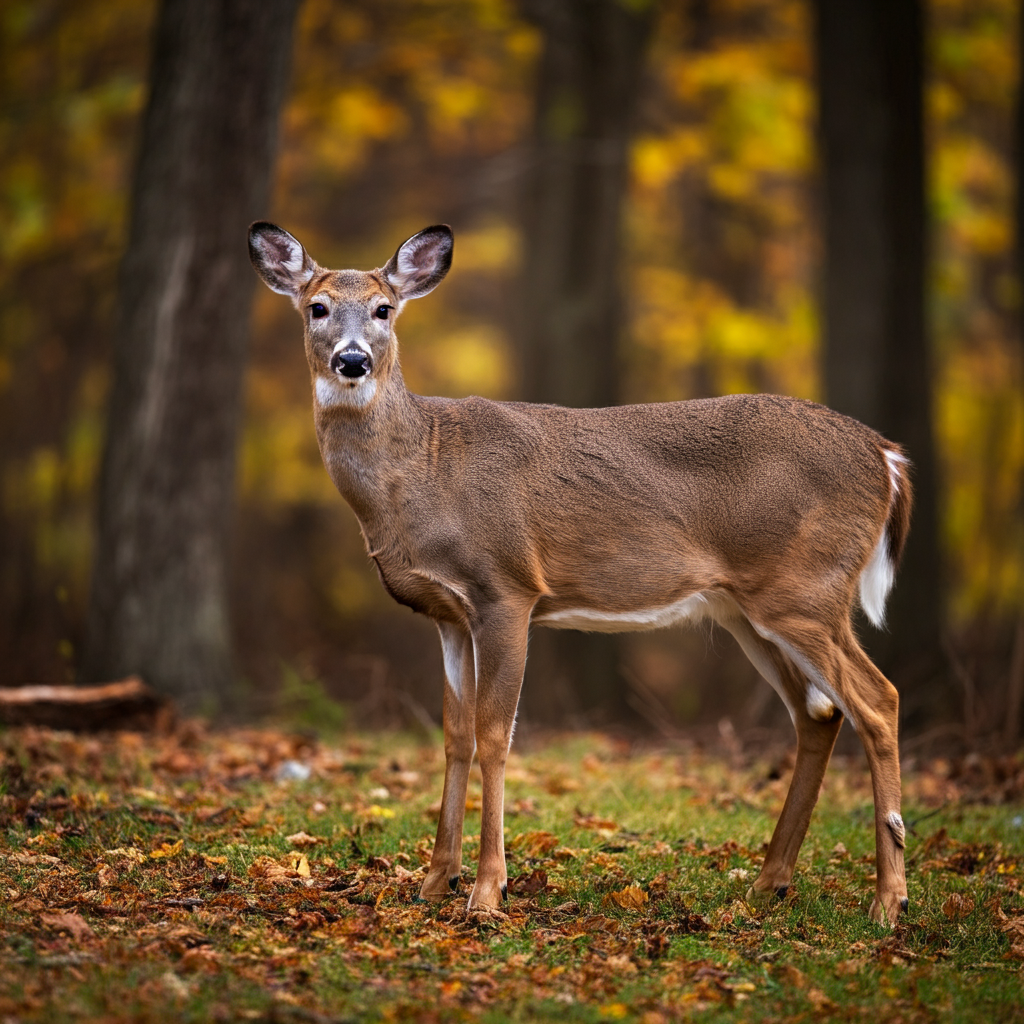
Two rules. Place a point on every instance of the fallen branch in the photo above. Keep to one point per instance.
(128, 704)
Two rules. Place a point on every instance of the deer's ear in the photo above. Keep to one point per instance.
(279, 259)
(421, 262)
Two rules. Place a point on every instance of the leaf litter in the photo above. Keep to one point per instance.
(137, 871)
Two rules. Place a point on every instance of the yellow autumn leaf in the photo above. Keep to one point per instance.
(165, 850)
(299, 862)
(130, 853)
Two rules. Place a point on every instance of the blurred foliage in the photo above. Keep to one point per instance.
(305, 704)
(403, 114)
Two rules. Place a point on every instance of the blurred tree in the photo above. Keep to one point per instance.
(877, 364)
(570, 312)
(158, 605)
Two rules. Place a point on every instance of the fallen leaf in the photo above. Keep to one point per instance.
(594, 821)
(166, 850)
(630, 898)
(790, 975)
(530, 884)
(106, 876)
(129, 853)
(34, 859)
(534, 844)
(298, 862)
(74, 924)
(819, 1000)
(957, 905)
(252, 815)
(302, 839)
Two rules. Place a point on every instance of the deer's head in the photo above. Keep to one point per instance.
(349, 315)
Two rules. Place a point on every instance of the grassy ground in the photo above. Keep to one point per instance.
(190, 878)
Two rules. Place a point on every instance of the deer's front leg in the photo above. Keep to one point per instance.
(501, 658)
(459, 744)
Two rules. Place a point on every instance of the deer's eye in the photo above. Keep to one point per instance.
(319, 310)
(381, 312)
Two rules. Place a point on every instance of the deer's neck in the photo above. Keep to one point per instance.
(368, 451)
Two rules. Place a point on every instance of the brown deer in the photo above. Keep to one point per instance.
(771, 516)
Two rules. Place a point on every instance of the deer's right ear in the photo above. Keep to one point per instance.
(279, 259)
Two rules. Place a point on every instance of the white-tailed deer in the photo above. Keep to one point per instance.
(772, 516)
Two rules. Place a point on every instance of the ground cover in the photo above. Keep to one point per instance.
(267, 876)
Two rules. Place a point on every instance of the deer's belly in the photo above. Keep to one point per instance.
(608, 620)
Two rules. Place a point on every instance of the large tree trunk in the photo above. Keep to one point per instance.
(570, 304)
(158, 605)
(876, 353)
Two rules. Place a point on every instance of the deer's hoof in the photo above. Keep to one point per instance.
(487, 896)
(439, 888)
(886, 911)
(764, 897)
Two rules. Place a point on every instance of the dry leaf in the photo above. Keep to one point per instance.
(252, 815)
(630, 898)
(300, 863)
(302, 839)
(74, 924)
(594, 821)
(129, 853)
(819, 1000)
(790, 975)
(528, 885)
(166, 850)
(957, 905)
(534, 844)
(106, 876)
(34, 859)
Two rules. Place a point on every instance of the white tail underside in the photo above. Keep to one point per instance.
(879, 574)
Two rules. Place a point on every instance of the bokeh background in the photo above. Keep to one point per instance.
(401, 114)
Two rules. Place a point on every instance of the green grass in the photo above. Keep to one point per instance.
(174, 853)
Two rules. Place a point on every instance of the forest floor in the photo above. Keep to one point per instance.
(259, 875)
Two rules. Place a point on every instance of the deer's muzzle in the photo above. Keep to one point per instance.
(351, 362)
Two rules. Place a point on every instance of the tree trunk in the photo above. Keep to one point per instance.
(570, 303)
(876, 352)
(158, 606)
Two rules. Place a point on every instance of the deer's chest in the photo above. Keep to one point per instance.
(414, 584)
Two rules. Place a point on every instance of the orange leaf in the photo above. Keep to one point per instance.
(630, 898)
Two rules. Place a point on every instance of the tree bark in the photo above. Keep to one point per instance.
(877, 361)
(158, 605)
(570, 301)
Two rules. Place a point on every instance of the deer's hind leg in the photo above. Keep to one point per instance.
(839, 678)
(817, 726)
(873, 705)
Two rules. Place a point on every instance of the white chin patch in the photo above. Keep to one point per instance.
(333, 391)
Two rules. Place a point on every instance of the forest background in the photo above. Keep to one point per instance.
(401, 114)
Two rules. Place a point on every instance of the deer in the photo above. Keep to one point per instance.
(773, 517)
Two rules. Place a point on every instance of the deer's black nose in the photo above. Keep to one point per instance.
(350, 362)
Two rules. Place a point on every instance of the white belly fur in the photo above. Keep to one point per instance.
(593, 620)
(819, 697)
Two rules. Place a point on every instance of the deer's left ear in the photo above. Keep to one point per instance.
(421, 262)
(280, 259)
